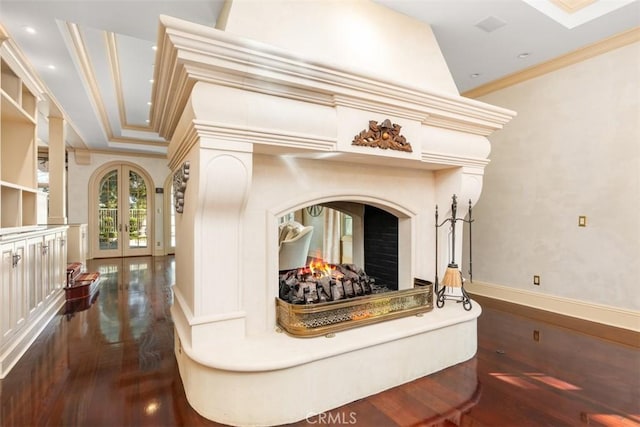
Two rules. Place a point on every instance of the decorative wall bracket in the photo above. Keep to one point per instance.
(180, 179)
(385, 135)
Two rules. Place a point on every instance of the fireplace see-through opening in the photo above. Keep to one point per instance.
(324, 285)
(341, 233)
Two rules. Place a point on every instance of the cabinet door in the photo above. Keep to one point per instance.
(48, 266)
(19, 280)
(12, 295)
(34, 272)
(5, 290)
(61, 260)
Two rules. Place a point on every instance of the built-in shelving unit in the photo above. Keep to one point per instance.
(18, 151)
(33, 255)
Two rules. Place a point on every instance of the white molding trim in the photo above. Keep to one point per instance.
(188, 53)
(575, 57)
(193, 320)
(599, 313)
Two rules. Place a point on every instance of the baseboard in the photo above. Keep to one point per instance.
(598, 313)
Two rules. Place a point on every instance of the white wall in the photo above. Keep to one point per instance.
(78, 187)
(351, 35)
(573, 149)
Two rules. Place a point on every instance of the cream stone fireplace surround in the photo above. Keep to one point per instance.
(265, 121)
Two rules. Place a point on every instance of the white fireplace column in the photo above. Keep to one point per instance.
(208, 232)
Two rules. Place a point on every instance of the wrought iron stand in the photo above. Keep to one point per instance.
(441, 294)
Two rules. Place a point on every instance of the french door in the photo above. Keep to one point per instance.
(122, 217)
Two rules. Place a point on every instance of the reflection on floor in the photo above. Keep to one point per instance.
(113, 365)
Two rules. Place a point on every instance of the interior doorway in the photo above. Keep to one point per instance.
(120, 222)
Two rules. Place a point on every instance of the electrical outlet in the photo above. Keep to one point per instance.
(536, 335)
(158, 244)
(536, 280)
(582, 221)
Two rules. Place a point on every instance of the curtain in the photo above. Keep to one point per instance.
(331, 238)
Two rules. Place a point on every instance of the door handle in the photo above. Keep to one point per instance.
(16, 259)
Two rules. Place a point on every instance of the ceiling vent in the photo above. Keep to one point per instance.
(490, 24)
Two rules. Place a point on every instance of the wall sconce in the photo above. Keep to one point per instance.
(453, 276)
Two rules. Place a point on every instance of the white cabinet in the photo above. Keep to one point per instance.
(12, 295)
(33, 272)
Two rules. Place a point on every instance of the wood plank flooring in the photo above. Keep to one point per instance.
(113, 365)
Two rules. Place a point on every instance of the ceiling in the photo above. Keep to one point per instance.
(97, 57)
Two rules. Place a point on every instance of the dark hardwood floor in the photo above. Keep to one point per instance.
(113, 365)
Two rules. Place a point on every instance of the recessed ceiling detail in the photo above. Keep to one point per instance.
(96, 86)
(118, 76)
(571, 6)
(573, 13)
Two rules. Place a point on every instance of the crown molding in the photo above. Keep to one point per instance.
(604, 46)
(188, 53)
(3, 34)
(85, 154)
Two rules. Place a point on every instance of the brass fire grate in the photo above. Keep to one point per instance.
(312, 320)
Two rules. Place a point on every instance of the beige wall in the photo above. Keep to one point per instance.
(573, 149)
(78, 187)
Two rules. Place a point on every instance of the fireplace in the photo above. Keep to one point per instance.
(262, 125)
(317, 297)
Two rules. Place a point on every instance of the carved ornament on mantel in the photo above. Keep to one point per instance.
(385, 135)
(180, 179)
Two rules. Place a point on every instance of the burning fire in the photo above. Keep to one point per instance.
(319, 268)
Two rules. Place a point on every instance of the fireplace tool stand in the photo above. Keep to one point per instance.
(453, 276)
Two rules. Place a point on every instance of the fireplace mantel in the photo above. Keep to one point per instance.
(266, 132)
(190, 53)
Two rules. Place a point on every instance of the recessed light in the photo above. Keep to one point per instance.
(51, 67)
(154, 47)
(147, 120)
(523, 55)
(29, 29)
(475, 75)
(150, 80)
(149, 103)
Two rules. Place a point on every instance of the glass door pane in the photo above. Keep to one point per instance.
(108, 212)
(123, 220)
(137, 227)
